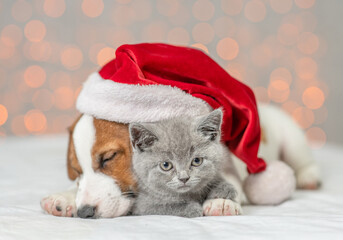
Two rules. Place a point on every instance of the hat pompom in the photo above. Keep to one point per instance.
(272, 186)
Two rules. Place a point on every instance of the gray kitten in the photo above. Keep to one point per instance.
(177, 163)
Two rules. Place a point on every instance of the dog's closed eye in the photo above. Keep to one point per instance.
(106, 157)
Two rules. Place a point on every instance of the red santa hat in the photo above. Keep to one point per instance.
(151, 82)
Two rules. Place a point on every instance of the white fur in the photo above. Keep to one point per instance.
(221, 207)
(95, 188)
(125, 103)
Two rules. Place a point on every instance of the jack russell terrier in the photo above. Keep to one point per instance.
(99, 158)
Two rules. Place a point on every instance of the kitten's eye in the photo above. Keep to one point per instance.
(196, 162)
(105, 158)
(166, 166)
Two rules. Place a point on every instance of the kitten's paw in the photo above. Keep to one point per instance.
(61, 204)
(221, 207)
(308, 178)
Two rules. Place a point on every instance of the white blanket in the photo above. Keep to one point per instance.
(31, 168)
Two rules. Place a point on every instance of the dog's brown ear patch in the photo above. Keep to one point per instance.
(73, 166)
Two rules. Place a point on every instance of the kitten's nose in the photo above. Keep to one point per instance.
(184, 179)
(86, 211)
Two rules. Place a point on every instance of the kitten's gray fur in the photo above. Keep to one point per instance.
(179, 141)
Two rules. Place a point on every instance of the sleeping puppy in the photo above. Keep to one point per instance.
(99, 158)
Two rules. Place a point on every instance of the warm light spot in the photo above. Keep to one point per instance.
(227, 48)
(94, 50)
(232, 7)
(224, 27)
(282, 6)
(313, 98)
(305, 3)
(178, 36)
(167, 7)
(3, 114)
(303, 116)
(34, 76)
(92, 8)
(11, 35)
(255, 11)
(18, 127)
(237, 71)
(64, 98)
(261, 55)
(278, 91)
(288, 34)
(316, 137)
(77, 93)
(60, 79)
(308, 43)
(203, 10)
(281, 74)
(203, 33)
(290, 106)
(43, 100)
(40, 51)
(35, 31)
(21, 11)
(105, 55)
(54, 8)
(155, 31)
(261, 94)
(123, 15)
(35, 121)
(200, 46)
(71, 58)
(6, 51)
(306, 68)
(61, 122)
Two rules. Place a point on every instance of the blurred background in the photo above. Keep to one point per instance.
(288, 51)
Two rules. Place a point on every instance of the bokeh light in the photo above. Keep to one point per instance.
(305, 3)
(288, 34)
(3, 114)
(281, 74)
(178, 36)
(43, 100)
(224, 27)
(306, 68)
(54, 8)
(71, 57)
(255, 10)
(11, 35)
(35, 31)
(92, 8)
(308, 43)
(21, 10)
(316, 137)
(167, 7)
(303, 116)
(261, 94)
(34, 76)
(313, 97)
(105, 55)
(64, 98)
(232, 7)
(261, 55)
(278, 91)
(227, 48)
(35, 121)
(200, 46)
(18, 126)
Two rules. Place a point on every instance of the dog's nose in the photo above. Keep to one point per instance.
(86, 211)
(184, 179)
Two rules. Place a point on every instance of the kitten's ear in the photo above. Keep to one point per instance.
(141, 137)
(210, 125)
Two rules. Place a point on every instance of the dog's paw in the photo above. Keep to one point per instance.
(221, 207)
(308, 178)
(60, 204)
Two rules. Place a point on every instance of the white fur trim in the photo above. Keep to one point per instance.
(272, 186)
(127, 103)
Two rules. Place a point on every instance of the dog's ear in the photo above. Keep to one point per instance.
(73, 166)
(141, 137)
(209, 126)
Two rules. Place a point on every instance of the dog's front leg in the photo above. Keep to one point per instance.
(60, 204)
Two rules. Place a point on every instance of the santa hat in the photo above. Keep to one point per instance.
(151, 82)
